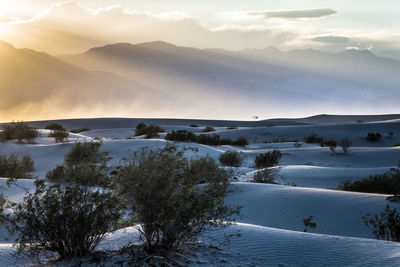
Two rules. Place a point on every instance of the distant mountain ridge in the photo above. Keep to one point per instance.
(158, 79)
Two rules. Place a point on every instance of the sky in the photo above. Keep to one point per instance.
(330, 25)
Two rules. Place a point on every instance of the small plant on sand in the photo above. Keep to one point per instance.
(331, 144)
(385, 226)
(267, 176)
(19, 131)
(374, 137)
(164, 192)
(80, 130)
(13, 167)
(231, 158)
(345, 144)
(181, 136)
(150, 131)
(55, 127)
(268, 159)
(309, 224)
(59, 135)
(208, 129)
(70, 220)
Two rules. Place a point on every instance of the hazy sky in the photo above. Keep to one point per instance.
(331, 25)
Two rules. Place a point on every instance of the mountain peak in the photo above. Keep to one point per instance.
(157, 45)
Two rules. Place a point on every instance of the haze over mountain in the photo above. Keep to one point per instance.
(159, 79)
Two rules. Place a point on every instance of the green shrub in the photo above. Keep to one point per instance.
(194, 125)
(181, 136)
(151, 131)
(313, 139)
(80, 130)
(19, 131)
(331, 144)
(84, 152)
(13, 167)
(231, 158)
(345, 144)
(268, 159)
(59, 135)
(55, 127)
(162, 188)
(386, 226)
(266, 176)
(70, 220)
(374, 137)
(208, 129)
(309, 224)
(386, 183)
(241, 141)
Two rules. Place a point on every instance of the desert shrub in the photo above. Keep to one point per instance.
(167, 201)
(194, 125)
(232, 127)
(13, 167)
(374, 137)
(396, 145)
(241, 141)
(55, 127)
(75, 131)
(268, 159)
(83, 174)
(231, 158)
(331, 144)
(386, 183)
(19, 131)
(70, 220)
(208, 129)
(84, 152)
(59, 135)
(150, 131)
(266, 176)
(386, 226)
(309, 224)
(345, 143)
(313, 139)
(181, 136)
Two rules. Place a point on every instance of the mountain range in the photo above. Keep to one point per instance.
(159, 79)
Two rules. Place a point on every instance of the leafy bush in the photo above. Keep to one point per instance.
(232, 127)
(85, 152)
(309, 224)
(194, 125)
(80, 130)
(59, 135)
(55, 127)
(231, 158)
(241, 141)
(70, 220)
(266, 176)
(19, 131)
(386, 226)
(268, 159)
(331, 144)
(83, 174)
(181, 136)
(150, 131)
(374, 137)
(164, 194)
(208, 129)
(345, 143)
(386, 183)
(313, 139)
(13, 167)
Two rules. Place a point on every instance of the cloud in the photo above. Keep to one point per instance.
(331, 39)
(71, 28)
(296, 14)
